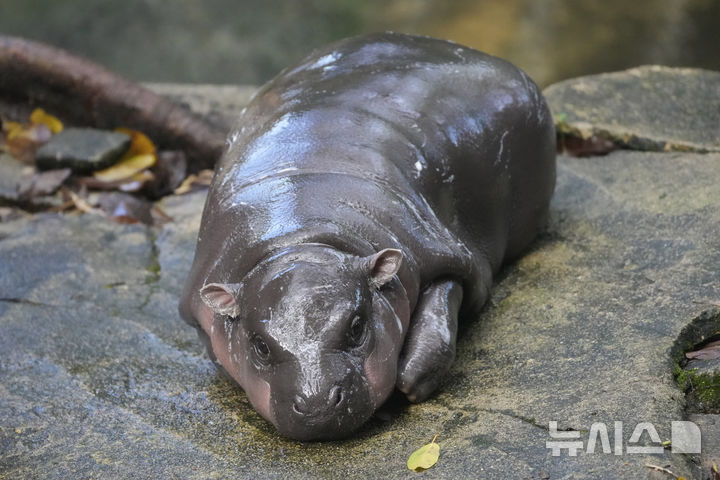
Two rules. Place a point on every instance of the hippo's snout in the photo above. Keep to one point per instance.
(318, 406)
(332, 406)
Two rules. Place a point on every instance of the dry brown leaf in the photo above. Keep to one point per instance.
(82, 205)
(42, 183)
(125, 208)
(169, 170)
(159, 216)
(21, 141)
(710, 351)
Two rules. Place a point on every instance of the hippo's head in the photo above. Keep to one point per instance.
(313, 336)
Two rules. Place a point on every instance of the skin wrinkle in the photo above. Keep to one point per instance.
(257, 390)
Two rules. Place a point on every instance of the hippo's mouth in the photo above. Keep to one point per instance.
(293, 419)
(320, 427)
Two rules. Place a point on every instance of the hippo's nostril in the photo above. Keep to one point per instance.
(336, 396)
(299, 405)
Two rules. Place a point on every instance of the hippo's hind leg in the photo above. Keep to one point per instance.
(429, 348)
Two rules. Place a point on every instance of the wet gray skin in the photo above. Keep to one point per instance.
(364, 203)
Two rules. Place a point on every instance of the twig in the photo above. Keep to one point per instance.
(661, 469)
(83, 92)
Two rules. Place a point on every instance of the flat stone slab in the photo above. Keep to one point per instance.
(100, 378)
(20, 184)
(646, 108)
(83, 150)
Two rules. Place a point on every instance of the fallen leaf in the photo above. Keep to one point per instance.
(11, 128)
(202, 179)
(585, 147)
(43, 183)
(137, 181)
(41, 117)
(125, 168)
(38, 133)
(134, 183)
(140, 144)
(169, 170)
(715, 472)
(708, 352)
(11, 213)
(21, 141)
(159, 216)
(82, 204)
(125, 208)
(424, 457)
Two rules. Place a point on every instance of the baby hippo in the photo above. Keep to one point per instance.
(364, 203)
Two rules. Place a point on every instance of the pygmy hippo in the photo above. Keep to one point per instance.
(364, 202)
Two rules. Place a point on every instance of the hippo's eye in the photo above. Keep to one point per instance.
(261, 348)
(357, 330)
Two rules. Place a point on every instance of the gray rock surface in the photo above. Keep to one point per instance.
(21, 185)
(646, 108)
(83, 150)
(219, 104)
(710, 426)
(100, 378)
(11, 173)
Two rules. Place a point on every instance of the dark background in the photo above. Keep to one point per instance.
(249, 41)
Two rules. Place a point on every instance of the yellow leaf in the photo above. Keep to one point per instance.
(203, 178)
(12, 129)
(140, 144)
(424, 457)
(136, 182)
(40, 116)
(125, 168)
(143, 176)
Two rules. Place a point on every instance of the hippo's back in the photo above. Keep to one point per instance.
(470, 132)
(406, 141)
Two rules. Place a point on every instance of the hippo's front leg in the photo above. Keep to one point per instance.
(429, 348)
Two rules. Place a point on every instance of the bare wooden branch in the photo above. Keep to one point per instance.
(84, 93)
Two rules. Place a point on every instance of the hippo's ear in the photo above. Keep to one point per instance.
(383, 266)
(222, 298)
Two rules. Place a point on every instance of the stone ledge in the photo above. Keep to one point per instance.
(650, 108)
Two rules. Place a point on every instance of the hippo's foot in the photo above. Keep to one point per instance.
(430, 343)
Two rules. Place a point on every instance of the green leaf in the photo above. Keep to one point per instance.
(424, 457)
